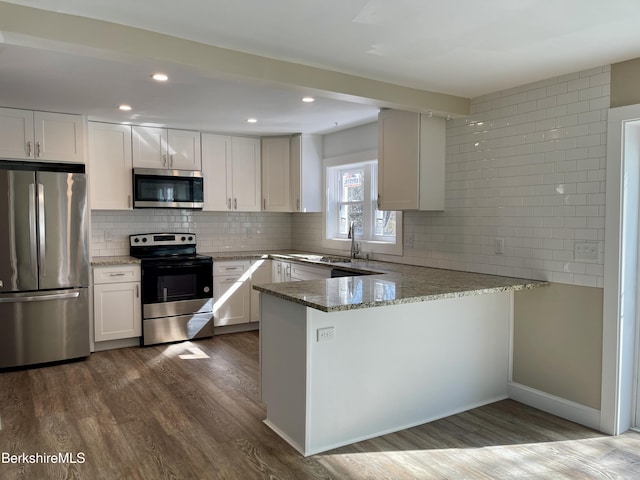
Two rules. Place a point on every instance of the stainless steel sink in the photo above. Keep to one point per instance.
(332, 259)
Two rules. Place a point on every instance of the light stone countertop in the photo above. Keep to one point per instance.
(383, 284)
(114, 260)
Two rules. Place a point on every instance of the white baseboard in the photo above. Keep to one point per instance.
(575, 412)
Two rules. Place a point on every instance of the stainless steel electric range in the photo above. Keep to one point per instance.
(177, 287)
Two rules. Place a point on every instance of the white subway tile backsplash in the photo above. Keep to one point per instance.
(216, 231)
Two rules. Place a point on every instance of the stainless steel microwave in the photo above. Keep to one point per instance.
(162, 188)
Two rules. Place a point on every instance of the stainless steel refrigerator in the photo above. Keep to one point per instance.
(44, 263)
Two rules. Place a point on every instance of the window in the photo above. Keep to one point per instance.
(351, 198)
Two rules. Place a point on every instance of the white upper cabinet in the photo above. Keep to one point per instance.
(110, 166)
(42, 136)
(155, 147)
(306, 173)
(231, 171)
(411, 156)
(275, 174)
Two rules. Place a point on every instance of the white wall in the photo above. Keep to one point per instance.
(527, 166)
(216, 232)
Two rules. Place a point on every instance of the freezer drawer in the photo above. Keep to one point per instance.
(41, 327)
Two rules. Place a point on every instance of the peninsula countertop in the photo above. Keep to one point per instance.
(378, 283)
(374, 283)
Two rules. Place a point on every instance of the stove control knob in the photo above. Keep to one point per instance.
(190, 239)
(183, 239)
(144, 240)
(206, 289)
(136, 240)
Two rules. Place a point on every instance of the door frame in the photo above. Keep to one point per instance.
(620, 340)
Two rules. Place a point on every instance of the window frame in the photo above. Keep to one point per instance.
(331, 237)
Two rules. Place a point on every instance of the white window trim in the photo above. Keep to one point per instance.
(366, 246)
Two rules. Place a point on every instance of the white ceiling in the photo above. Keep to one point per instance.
(463, 47)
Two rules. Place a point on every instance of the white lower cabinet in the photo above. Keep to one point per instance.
(231, 292)
(280, 271)
(117, 309)
(260, 273)
(308, 272)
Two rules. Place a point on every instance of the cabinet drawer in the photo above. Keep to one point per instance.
(232, 268)
(116, 274)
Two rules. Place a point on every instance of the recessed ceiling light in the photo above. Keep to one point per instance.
(308, 99)
(160, 77)
(252, 120)
(124, 107)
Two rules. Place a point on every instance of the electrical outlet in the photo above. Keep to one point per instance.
(586, 251)
(325, 334)
(498, 244)
(108, 236)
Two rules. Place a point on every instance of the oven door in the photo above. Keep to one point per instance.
(171, 288)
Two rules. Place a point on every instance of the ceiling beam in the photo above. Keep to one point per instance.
(31, 27)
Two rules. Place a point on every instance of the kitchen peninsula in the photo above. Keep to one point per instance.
(350, 358)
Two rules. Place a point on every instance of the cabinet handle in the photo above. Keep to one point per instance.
(231, 279)
(121, 274)
(235, 203)
(38, 149)
(29, 149)
(137, 291)
(171, 160)
(298, 204)
(229, 203)
(164, 160)
(129, 201)
(378, 201)
(264, 203)
(279, 268)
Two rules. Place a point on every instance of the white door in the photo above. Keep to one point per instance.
(216, 171)
(110, 166)
(117, 312)
(16, 134)
(398, 159)
(232, 300)
(275, 174)
(149, 147)
(245, 153)
(59, 137)
(184, 150)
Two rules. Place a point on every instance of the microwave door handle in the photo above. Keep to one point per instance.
(43, 234)
(164, 295)
(33, 245)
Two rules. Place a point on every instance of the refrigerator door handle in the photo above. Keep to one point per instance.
(33, 245)
(40, 298)
(43, 235)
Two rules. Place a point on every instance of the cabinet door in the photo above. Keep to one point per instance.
(216, 170)
(184, 150)
(149, 147)
(16, 134)
(308, 272)
(117, 311)
(275, 174)
(398, 160)
(110, 166)
(260, 273)
(245, 177)
(306, 173)
(232, 300)
(59, 137)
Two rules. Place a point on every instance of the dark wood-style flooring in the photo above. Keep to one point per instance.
(147, 413)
